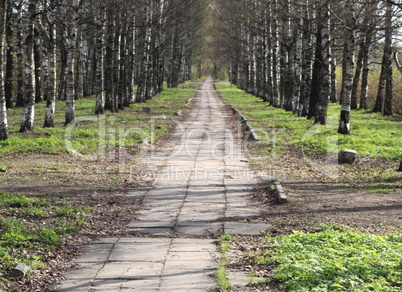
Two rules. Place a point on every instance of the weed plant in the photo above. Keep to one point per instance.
(24, 236)
(334, 260)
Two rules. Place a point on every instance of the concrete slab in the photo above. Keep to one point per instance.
(235, 228)
(75, 286)
(150, 224)
(130, 271)
(199, 229)
(125, 285)
(84, 272)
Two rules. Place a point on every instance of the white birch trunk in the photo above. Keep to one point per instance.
(29, 106)
(70, 47)
(3, 109)
(298, 57)
(51, 87)
(20, 64)
(349, 66)
(100, 42)
(275, 53)
(307, 63)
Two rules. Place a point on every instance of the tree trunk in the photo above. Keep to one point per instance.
(38, 67)
(287, 60)
(321, 106)
(369, 33)
(298, 59)
(349, 65)
(387, 59)
(63, 65)
(3, 109)
(116, 62)
(45, 66)
(356, 80)
(364, 88)
(122, 67)
(51, 89)
(71, 55)
(131, 42)
(316, 78)
(275, 49)
(380, 92)
(143, 82)
(29, 106)
(333, 97)
(20, 63)
(307, 69)
(110, 103)
(9, 79)
(100, 41)
(79, 68)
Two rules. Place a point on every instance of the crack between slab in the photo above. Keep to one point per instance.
(104, 263)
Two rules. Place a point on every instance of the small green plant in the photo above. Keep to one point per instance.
(225, 240)
(65, 211)
(23, 228)
(333, 260)
(36, 212)
(48, 237)
(221, 275)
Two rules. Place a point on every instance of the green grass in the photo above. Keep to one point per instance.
(221, 273)
(32, 226)
(92, 135)
(334, 260)
(371, 134)
(375, 138)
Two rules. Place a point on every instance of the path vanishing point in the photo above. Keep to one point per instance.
(202, 189)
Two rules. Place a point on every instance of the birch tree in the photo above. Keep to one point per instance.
(72, 22)
(100, 42)
(348, 68)
(50, 36)
(29, 101)
(369, 30)
(387, 59)
(9, 78)
(3, 109)
(323, 45)
(19, 47)
(385, 82)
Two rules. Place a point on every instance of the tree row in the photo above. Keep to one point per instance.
(286, 52)
(63, 50)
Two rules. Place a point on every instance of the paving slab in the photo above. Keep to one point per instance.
(201, 184)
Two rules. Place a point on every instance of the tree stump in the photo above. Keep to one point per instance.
(347, 156)
(146, 110)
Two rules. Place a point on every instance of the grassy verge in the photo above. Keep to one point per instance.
(62, 187)
(332, 259)
(33, 227)
(375, 138)
(95, 135)
(62, 155)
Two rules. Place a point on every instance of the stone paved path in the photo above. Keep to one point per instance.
(201, 189)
